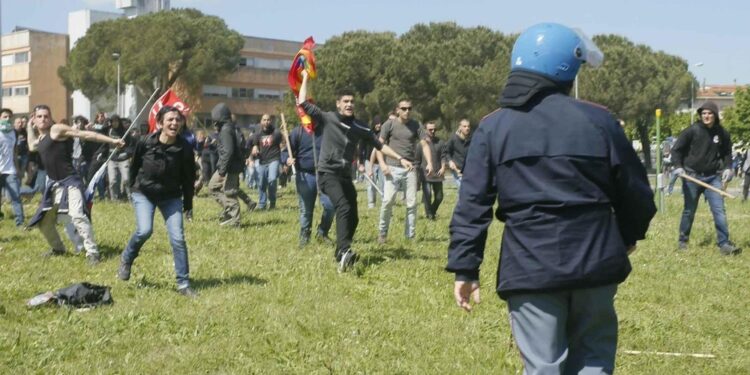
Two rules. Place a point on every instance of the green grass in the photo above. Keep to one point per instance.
(266, 307)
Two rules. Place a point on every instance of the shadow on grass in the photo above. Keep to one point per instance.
(11, 238)
(383, 255)
(264, 223)
(213, 282)
(107, 251)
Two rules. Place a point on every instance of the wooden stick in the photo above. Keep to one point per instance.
(669, 354)
(286, 139)
(707, 186)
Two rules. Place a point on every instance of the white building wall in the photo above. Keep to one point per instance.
(78, 23)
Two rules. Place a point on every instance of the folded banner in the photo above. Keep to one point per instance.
(171, 99)
(303, 61)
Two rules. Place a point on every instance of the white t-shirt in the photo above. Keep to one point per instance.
(7, 143)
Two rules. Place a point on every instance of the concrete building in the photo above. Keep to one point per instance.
(135, 8)
(30, 59)
(78, 23)
(722, 95)
(258, 84)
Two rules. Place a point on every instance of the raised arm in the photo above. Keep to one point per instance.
(302, 89)
(62, 132)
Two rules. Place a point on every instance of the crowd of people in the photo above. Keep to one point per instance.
(574, 196)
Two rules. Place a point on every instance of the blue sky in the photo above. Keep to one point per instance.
(716, 33)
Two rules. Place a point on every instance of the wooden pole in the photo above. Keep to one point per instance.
(286, 139)
(707, 186)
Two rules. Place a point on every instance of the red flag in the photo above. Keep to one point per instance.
(171, 99)
(303, 61)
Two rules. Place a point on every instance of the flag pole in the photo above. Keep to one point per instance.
(100, 172)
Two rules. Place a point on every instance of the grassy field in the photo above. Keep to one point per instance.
(266, 307)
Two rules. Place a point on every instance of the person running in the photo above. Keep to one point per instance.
(341, 134)
(456, 149)
(162, 176)
(8, 175)
(225, 183)
(266, 153)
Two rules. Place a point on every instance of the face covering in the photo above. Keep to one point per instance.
(5, 126)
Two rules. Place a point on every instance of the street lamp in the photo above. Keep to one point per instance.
(116, 56)
(692, 94)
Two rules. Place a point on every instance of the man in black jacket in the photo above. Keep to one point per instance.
(456, 149)
(574, 198)
(225, 183)
(704, 151)
(341, 134)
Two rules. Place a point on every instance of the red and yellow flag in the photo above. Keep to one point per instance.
(303, 61)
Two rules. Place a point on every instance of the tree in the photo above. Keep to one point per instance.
(181, 46)
(448, 71)
(736, 118)
(634, 81)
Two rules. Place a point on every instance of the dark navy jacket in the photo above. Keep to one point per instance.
(302, 148)
(571, 191)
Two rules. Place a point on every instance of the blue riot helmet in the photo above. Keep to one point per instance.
(554, 51)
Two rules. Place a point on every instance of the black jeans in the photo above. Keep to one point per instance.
(432, 196)
(344, 197)
(745, 185)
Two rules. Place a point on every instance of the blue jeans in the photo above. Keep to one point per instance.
(171, 210)
(10, 183)
(691, 193)
(251, 177)
(307, 191)
(40, 182)
(377, 177)
(457, 179)
(268, 175)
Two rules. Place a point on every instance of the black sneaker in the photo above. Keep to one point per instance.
(347, 260)
(53, 253)
(123, 272)
(729, 249)
(188, 292)
(93, 259)
(682, 246)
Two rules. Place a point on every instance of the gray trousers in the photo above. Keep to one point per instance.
(567, 332)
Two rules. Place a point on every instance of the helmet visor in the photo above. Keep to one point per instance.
(590, 53)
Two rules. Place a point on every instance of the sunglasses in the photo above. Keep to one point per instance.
(405, 109)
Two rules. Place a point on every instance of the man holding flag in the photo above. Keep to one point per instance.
(341, 133)
(64, 192)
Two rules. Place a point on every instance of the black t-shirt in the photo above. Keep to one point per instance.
(268, 146)
(57, 157)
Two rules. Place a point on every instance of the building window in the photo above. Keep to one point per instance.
(8, 60)
(7, 91)
(265, 94)
(220, 91)
(271, 64)
(21, 91)
(15, 58)
(22, 57)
